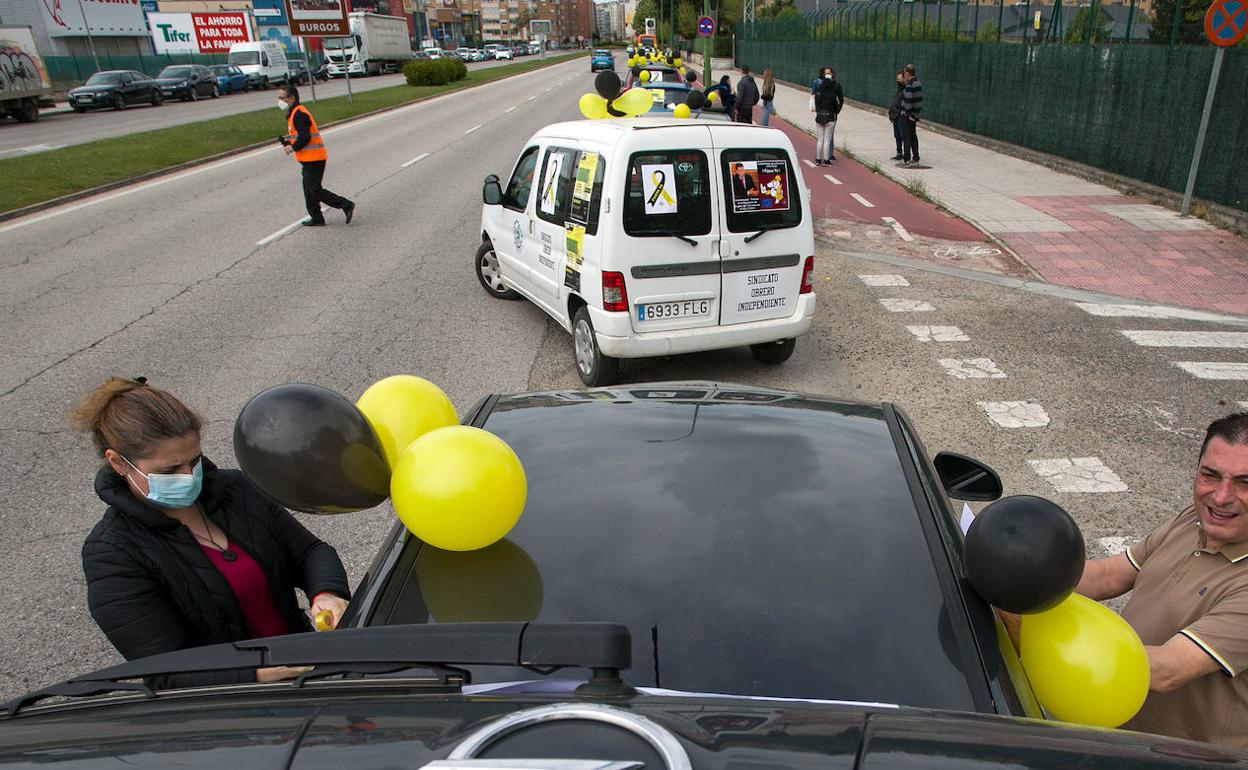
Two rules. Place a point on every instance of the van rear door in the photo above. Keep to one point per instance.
(669, 249)
(766, 230)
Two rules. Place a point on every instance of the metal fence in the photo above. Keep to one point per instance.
(1133, 110)
(69, 71)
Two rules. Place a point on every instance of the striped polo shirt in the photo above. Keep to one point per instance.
(1186, 588)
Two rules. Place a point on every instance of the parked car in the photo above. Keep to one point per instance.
(434, 53)
(117, 89)
(264, 61)
(187, 82)
(298, 71)
(690, 257)
(601, 60)
(503, 53)
(535, 48)
(230, 79)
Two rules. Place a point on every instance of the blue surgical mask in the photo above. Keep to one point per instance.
(173, 490)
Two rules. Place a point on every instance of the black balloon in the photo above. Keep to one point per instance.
(311, 450)
(691, 77)
(607, 84)
(1024, 554)
(696, 100)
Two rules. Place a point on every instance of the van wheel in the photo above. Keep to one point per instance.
(489, 274)
(264, 84)
(774, 352)
(595, 369)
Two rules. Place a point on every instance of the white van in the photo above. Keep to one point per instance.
(655, 236)
(264, 62)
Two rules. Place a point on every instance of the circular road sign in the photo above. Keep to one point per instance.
(706, 26)
(1226, 22)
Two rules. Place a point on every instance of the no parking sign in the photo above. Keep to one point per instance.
(1226, 22)
(706, 26)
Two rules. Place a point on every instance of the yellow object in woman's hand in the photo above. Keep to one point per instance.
(324, 621)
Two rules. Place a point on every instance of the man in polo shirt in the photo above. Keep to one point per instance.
(1190, 599)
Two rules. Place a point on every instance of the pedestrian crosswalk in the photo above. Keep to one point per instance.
(1182, 339)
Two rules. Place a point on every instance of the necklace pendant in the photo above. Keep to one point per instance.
(229, 555)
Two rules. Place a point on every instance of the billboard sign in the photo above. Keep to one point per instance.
(269, 12)
(199, 32)
(106, 18)
(318, 18)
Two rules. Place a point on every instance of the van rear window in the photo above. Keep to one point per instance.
(668, 192)
(760, 190)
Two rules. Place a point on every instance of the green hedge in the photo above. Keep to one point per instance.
(434, 72)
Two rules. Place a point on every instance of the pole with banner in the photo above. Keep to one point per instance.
(319, 18)
(1226, 24)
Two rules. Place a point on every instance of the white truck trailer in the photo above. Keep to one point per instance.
(24, 82)
(377, 44)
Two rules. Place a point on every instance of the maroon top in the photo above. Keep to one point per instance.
(251, 588)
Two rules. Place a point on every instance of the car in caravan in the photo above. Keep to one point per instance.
(653, 237)
(263, 61)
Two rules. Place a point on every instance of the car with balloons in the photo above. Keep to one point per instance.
(654, 236)
(739, 576)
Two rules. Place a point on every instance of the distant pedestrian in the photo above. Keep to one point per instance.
(747, 96)
(911, 106)
(768, 96)
(894, 113)
(828, 103)
(303, 140)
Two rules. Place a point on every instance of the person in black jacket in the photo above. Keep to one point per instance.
(747, 96)
(829, 100)
(894, 112)
(188, 554)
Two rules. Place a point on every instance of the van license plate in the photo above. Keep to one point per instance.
(658, 311)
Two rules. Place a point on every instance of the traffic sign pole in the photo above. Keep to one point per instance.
(1200, 133)
(1226, 24)
(708, 41)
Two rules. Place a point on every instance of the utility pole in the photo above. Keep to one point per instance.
(90, 42)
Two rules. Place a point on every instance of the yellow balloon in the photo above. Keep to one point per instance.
(634, 102)
(459, 488)
(682, 111)
(403, 408)
(593, 106)
(1085, 663)
(713, 96)
(644, 76)
(497, 584)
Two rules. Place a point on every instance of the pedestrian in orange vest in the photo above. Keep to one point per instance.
(303, 140)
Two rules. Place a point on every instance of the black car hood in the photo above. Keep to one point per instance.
(98, 89)
(361, 726)
(173, 81)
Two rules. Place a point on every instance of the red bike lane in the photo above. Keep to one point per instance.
(849, 190)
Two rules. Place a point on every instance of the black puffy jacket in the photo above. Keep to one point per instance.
(152, 589)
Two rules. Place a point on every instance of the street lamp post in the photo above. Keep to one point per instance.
(90, 41)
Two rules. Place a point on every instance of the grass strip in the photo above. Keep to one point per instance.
(47, 175)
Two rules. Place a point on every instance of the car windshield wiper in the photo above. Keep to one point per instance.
(543, 648)
(671, 234)
(765, 229)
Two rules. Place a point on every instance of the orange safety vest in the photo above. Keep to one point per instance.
(315, 148)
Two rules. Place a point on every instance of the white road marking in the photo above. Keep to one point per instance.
(1015, 414)
(509, 109)
(270, 238)
(897, 228)
(548, 90)
(906, 306)
(972, 369)
(830, 178)
(938, 334)
(31, 149)
(810, 163)
(531, 98)
(1145, 311)
(1214, 370)
(1078, 474)
(1243, 405)
(884, 280)
(474, 128)
(1171, 339)
(416, 159)
(1112, 545)
(862, 200)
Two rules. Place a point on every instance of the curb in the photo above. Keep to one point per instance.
(34, 208)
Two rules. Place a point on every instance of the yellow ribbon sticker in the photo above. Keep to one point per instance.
(659, 188)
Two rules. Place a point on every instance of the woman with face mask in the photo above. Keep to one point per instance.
(188, 554)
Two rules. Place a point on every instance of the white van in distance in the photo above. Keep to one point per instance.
(655, 236)
(263, 61)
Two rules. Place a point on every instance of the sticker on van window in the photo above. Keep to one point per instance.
(658, 188)
(583, 190)
(761, 185)
(574, 241)
(550, 185)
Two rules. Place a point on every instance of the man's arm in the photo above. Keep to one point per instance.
(1177, 662)
(1106, 578)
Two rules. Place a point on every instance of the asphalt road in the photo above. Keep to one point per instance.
(207, 302)
(63, 127)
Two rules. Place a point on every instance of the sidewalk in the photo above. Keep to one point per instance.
(1070, 232)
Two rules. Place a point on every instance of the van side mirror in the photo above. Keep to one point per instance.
(492, 191)
(965, 478)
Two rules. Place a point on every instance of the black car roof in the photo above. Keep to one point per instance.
(768, 542)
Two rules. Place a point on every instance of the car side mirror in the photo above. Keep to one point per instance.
(965, 478)
(492, 191)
